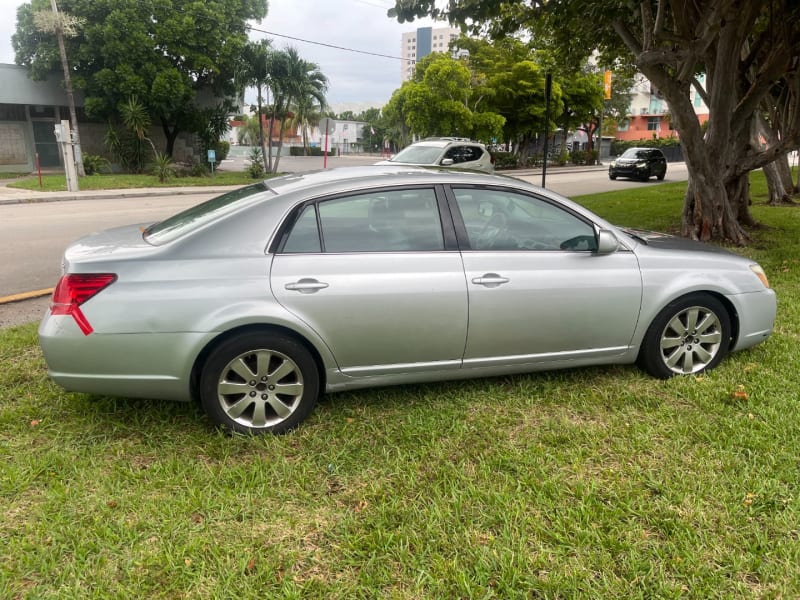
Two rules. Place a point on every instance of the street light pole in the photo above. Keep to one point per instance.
(73, 117)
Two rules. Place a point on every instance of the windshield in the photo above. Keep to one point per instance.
(197, 216)
(635, 153)
(418, 155)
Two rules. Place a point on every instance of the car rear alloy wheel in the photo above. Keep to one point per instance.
(259, 383)
(691, 335)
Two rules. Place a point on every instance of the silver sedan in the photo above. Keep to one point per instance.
(261, 299)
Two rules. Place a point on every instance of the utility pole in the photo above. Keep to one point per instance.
(73, 117)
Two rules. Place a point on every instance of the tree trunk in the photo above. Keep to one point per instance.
(261, 130)
(738, 190)
(776, 186)
(170, 134)
(707, 212)
(280, 144)
(275, 108)
(785, 173)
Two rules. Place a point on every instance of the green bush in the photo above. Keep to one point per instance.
(312, 151)
(505, 160)
(255, 168)
(94, 164)
(577, 157)
(162, 166)
(222, 149)
(534, 160)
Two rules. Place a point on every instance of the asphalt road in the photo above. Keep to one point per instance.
(35, 235)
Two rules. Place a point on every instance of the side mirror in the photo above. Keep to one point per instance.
(446, 162)
(607, 242)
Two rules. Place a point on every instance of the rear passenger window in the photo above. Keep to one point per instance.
(304, 236)
(391, 221)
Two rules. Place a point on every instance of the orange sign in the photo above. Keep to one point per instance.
(607, 85)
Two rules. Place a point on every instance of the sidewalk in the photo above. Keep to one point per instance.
(10, 195)
(16, 196)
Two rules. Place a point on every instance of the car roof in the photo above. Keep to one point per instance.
(345, 178)
(445, 141)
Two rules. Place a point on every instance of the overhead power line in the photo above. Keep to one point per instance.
(297, 39)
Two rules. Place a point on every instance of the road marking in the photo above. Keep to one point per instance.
(25, 296)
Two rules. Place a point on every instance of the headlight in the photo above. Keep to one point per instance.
(760, 274)
(641, 165)
(613, 163)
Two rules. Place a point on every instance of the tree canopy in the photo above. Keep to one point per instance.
(173, 55)
(747, 52)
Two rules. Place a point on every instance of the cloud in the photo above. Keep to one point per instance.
(356, 24)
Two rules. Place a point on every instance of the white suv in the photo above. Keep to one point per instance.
(458, 153)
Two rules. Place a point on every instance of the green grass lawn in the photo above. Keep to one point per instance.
(591, 483)
(58, 183)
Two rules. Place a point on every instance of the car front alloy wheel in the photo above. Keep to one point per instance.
(691, 335)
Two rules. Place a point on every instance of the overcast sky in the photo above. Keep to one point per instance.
(357, 24)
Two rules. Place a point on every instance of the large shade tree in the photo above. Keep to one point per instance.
(166, 53)
(440, 100)
(745, 50)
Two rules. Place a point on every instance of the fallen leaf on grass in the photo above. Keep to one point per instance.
(251, 566)
(35, 422)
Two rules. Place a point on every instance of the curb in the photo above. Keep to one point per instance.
(123, 193)
(25, 296)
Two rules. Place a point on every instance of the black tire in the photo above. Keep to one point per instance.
(690, 335)
(612, 176)
(661, 177)
(271, 380)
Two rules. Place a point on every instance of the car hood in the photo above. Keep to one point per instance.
(665, 241)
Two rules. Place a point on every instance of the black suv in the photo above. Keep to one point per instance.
(639, 163)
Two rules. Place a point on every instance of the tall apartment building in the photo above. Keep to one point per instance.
(415, 45)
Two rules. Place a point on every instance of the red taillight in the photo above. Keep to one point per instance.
(75, 289)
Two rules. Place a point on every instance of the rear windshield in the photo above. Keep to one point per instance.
(636, 153)
(197, 216)
(418, 155)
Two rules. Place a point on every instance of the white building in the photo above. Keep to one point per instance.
(415, 45)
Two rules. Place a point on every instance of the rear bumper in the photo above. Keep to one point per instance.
(142, 365)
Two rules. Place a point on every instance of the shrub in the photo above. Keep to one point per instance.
(505, 160)
(312, 151)
(577, 157)
(94, 164)
(162, 166)
(222, 149)
(256, 167)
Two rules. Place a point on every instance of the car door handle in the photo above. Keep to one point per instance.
(306, 286)
(490, 280)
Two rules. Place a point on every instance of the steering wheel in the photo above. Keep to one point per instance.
(575, 243)
(491, 230)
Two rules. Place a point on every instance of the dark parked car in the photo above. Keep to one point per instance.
(639, 163)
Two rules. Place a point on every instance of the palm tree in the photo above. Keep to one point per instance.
(307, 115)
(294, 81)
(251, 132)
(255, 72)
